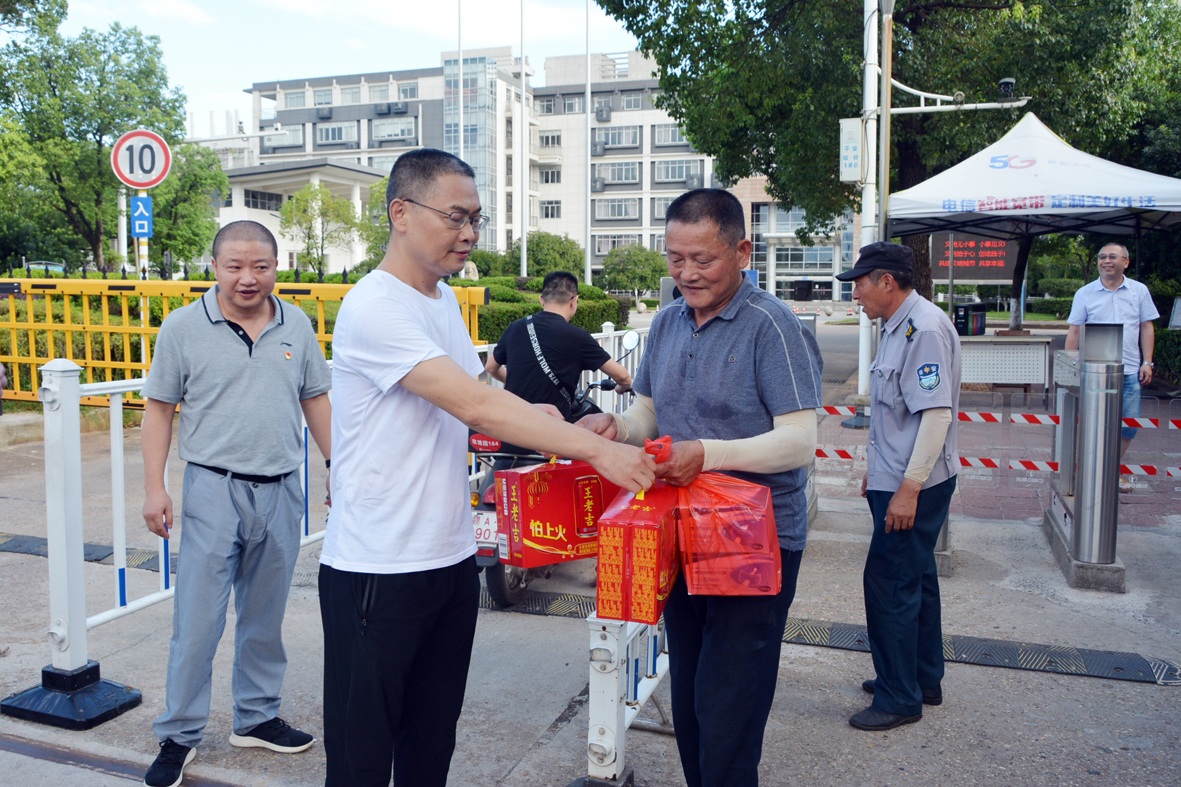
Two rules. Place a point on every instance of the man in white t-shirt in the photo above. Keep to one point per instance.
(398, 583)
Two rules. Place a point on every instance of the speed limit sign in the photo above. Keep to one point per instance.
(141, 159)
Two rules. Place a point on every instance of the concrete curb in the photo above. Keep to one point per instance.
(17, 428)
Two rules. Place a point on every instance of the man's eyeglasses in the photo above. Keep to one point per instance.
(1105, 257)
(456, 220)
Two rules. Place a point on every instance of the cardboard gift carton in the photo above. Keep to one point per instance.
(549, 513)
(728, 540)
(638, 560)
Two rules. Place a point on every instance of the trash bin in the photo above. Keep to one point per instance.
(969, 318)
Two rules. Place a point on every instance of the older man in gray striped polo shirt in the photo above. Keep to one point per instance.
(734, 377)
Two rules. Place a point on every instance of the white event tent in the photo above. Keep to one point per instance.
(1030, 182)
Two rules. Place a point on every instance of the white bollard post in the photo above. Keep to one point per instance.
(60, 396)
(71, 694)
(607, 704)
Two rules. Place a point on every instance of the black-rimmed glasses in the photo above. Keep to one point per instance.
(456, 220)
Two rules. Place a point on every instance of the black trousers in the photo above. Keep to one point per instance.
(902, 612)
(723, 656)
(396, 655)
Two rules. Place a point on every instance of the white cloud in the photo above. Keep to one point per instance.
(178, 10)
(355, 44)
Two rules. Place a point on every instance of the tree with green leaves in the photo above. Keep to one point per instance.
(29, 225)
(760, 84)
(547, 253)
(185, 207)
(73, 98)
(318, 219)
(19, 14)
(632, 268)
(373, 229)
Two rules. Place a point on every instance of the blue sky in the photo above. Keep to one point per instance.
(213, 49)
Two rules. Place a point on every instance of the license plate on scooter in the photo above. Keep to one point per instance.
(484, 524)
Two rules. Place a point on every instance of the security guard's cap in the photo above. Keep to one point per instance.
(887, 256)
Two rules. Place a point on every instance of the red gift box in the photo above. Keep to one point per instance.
(728, 540)
(638, 560)
(549, 513)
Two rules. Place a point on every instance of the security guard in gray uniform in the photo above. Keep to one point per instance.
(915, 394)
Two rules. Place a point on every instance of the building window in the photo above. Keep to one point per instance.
(605, 243)
(350, 95)
(550, 139)
(330, 133)
(789, 220)
(619, 172)
(797, 259)
(379, 93)
(550, 173)
(658, 243)
(633, 101)
(602, 102)
(668, 134)
(551, 209)
(676, 171)
(545, 106)
(618, 136)
(397, 128)
(760, 218)
(619, 208)
(407, 91)
(294, 100)
(292, 135)
(323, 96)
(660, 207)
(263, 200)
(384, 163)
(572, 104)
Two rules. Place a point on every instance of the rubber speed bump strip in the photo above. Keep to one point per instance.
(146, 559)
(1114, 665)
(961, 650)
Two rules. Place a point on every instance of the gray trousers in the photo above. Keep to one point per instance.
(245, 536)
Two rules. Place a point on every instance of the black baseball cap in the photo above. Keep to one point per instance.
(887, 256)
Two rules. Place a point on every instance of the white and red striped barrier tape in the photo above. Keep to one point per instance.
(1019, 419)
(830, 452)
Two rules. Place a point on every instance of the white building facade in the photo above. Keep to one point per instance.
(347, 131)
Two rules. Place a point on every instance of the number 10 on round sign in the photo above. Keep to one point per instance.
(141, 159)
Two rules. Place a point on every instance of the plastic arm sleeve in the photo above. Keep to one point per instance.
(638, 423)
(791, 443)
(928, 444)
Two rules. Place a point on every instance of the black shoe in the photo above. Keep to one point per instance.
(930, 696)
(276, 735)
(169, 767)
(876, 720)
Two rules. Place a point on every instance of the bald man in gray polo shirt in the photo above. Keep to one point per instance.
(244, 366)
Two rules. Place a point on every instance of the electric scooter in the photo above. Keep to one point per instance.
(507, 584)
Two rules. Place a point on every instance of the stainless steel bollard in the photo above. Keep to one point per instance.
(1093, 529)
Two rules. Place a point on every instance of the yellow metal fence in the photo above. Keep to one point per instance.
(109, 327)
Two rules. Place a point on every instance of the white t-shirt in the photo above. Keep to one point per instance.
(400, 496)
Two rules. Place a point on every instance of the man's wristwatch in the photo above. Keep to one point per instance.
(1149, 364)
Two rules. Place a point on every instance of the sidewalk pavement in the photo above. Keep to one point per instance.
(525, 719)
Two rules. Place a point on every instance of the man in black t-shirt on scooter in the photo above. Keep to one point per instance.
(540, 357)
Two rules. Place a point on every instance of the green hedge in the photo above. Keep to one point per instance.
(1167, 355)
(1059, 307)
(1060, 288)
(488, 281)
(501, 294)
(496, 316)
(651, 303)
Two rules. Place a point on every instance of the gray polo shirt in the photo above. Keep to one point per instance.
(728, 379)
(917, 367)
(240, 405)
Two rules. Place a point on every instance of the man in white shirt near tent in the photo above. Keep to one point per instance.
(398, 583)
(1114, 298)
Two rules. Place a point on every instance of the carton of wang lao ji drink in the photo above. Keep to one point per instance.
(638, 560)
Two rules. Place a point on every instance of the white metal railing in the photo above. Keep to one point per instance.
(627, 663)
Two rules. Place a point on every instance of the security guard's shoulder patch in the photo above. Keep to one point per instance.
(929, 376)
(910, 330)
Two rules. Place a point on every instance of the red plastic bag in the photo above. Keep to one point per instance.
(728, 540)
